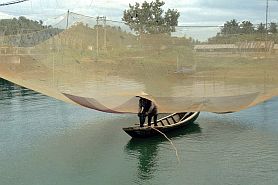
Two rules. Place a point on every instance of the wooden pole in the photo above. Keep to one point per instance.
(67, 19)
(97, 34)
(104, 22)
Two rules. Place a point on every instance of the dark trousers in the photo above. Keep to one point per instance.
(142, 118)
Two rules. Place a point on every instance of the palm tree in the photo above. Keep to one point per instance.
(231, 27)
(261, 28)
(247, 27)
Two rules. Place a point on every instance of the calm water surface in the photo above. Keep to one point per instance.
(45, 141)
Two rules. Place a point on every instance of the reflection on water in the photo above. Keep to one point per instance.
(146, 150)
(9, 90)
(146, 153)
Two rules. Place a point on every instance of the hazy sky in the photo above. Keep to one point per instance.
(193, 12)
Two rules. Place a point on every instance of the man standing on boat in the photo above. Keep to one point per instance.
(147, 108)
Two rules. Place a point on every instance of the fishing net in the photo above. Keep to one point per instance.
(102, 64)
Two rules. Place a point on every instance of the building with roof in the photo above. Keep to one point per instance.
(216, 48)
(239, 47)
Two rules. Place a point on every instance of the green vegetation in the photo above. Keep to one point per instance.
(148, 18)
(234, 31)
(246, 27)
(24, 32)
(20, 25)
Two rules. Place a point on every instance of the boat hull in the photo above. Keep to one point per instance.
(145, 132)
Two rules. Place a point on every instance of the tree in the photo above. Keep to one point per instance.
(230, 27)
(247, 27)
(273, 27)
(149, 18)
(261, 28)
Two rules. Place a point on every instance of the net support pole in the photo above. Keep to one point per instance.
(97, 34)
(67, 19)
(105, 34)
(266, 26)
(53, 70)
(266, 16)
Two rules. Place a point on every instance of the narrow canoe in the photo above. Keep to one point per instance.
(165, 124)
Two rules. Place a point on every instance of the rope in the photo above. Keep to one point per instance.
(12, 2)
(176, 151)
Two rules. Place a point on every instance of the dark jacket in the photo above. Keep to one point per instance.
(148, 106)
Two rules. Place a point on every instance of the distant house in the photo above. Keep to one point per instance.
(216, 48)
(255, 46)
(239, 47)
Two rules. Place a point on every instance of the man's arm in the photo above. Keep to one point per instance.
(151, 107)
(140, 107)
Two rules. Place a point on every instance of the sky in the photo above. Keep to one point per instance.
(193, 12)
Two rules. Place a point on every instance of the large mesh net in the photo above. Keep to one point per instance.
(103, 65)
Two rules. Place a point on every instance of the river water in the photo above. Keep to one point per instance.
(45, 141)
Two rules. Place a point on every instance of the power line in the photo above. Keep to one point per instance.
(12, 2)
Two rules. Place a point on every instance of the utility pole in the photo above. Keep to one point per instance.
(103, 19)
(97, 34)
(266, 27)
(266, 18)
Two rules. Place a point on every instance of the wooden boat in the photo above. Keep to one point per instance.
(165, 124)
